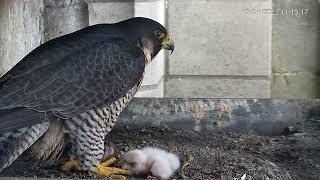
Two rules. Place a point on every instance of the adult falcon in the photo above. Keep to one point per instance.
(70, 91)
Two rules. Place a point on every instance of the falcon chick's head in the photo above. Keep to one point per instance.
(148, 34)
(136, 162)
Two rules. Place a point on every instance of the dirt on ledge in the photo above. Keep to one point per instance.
(206, 155)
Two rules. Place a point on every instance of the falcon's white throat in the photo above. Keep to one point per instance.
(148, 54)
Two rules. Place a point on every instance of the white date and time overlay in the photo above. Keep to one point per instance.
(276, 12)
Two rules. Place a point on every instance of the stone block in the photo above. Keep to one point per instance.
(201, 86)
(63, 17)
(110, 11)
(295, 38)
(21, 30)
(220, 38)
(295, 50)
(296, 86)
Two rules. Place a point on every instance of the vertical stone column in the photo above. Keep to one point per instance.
(20, 30)
(63, 17)
(153, 83)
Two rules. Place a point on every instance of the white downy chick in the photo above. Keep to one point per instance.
(159, 163)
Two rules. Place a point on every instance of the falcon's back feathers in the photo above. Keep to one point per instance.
(68, 87)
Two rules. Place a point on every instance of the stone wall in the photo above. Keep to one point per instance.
(20, 30)
(63, 17)
(27, 24)
(222, 49)
(295, 50)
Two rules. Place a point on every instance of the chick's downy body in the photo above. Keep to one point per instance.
(154, 161)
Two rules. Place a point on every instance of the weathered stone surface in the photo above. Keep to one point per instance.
(220, 38)
(295, 50)
(296, 38)
(110, 11)
(295, 86)
(63, 17)
(254, 116)
(202, 86)
(27, 24)
(21, 30)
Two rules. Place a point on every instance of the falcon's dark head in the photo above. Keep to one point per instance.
(148, 34)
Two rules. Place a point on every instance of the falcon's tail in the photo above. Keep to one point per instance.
(14, 143)
(50, 146)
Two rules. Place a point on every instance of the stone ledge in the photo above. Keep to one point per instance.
(254, 116)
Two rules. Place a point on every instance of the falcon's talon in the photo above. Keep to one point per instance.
(108, 162)
(103, 170)
(70, 165)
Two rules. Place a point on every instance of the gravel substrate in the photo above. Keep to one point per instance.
(206, 155)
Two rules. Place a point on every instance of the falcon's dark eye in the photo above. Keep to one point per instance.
(159, 34)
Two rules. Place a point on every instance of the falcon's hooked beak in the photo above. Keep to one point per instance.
(168, 44)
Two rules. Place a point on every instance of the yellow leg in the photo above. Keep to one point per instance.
(104, 170)
(109, 161)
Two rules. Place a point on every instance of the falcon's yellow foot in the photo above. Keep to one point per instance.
(115, 173)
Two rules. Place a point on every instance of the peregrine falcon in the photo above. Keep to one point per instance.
(70, 91)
